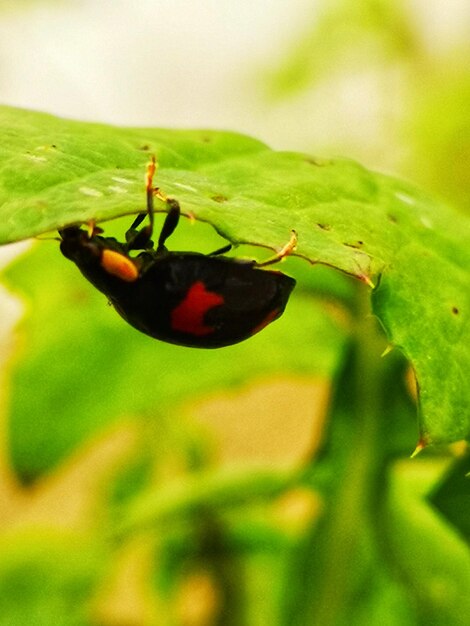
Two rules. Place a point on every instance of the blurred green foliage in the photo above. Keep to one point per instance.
(377, 540)
(48, 577)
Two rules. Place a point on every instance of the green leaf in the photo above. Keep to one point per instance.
(54, 172)
(433, 331)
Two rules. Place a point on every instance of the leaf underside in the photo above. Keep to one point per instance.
(416, 252)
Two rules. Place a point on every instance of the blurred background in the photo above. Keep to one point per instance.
(385, 82)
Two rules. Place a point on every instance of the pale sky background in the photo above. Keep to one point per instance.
(183, 63)
(148, 63)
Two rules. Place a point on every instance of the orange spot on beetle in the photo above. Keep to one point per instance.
(119, 265)
(188, 316)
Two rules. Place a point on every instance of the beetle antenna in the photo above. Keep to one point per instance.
(151, 169)
(141, 240)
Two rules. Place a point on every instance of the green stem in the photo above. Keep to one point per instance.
(325, 561)
(349, 507)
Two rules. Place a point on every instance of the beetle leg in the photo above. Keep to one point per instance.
(138, 221)
(223, 250)
(93, 229)
(283, 252)
(170, 223)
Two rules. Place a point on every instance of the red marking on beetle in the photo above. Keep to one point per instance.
(188, 316)
(270, 317)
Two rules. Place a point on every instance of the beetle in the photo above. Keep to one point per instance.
(184, 298)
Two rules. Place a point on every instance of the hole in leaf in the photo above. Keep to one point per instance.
(356, 244)
(219, 198)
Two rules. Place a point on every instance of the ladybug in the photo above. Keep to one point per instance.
(184, 298)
